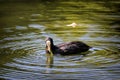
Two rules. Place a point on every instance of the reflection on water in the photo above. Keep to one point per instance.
(24, 28)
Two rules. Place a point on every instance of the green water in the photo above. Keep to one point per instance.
(24, 25)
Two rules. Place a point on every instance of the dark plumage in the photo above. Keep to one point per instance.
(65, 48)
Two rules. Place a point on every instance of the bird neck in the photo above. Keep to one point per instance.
(51, 50)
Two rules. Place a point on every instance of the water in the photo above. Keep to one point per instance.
(25, 25)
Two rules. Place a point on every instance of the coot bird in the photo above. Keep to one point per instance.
(73, 47)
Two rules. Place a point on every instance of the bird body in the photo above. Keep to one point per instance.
(73, 47)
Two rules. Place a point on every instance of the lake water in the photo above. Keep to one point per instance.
(24, 25)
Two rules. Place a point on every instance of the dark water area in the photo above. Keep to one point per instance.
(24, 25)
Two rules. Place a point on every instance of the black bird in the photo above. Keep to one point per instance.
(73, 47)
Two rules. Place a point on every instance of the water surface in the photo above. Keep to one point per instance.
(25, 25)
